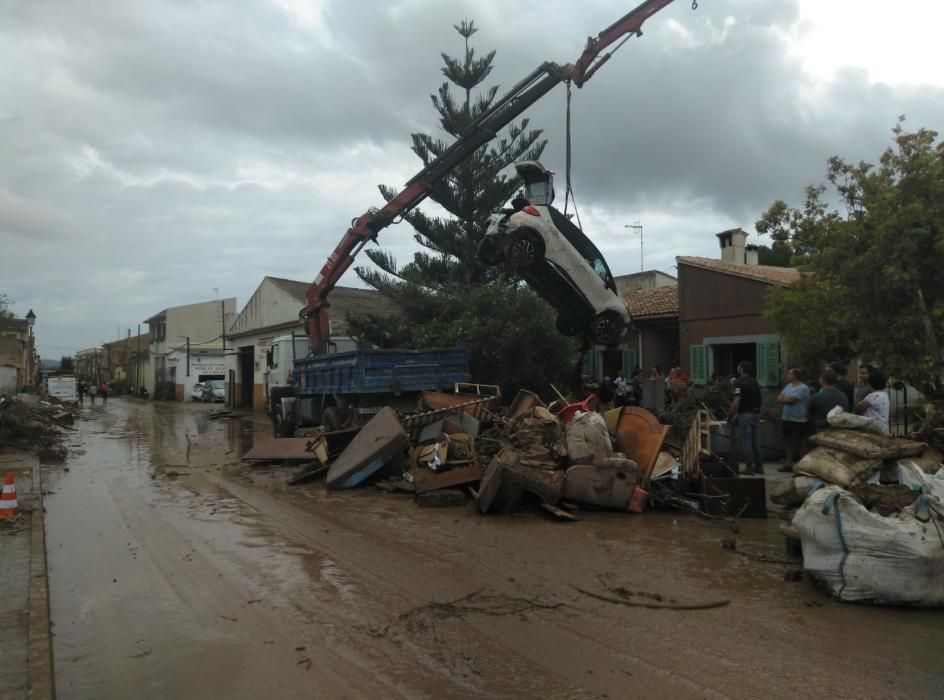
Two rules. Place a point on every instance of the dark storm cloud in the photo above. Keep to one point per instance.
(154, 151)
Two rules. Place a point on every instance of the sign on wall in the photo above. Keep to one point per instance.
(207, 366)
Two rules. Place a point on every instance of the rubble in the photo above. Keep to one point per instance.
(27, 423)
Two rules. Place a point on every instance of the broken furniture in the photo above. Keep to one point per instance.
(377, 443)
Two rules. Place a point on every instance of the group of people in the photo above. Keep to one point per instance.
(92, 390)
(620, 391)
(804, 411)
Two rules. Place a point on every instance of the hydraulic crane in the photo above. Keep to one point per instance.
(548, 75)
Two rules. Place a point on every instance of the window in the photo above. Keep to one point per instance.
(698, 361)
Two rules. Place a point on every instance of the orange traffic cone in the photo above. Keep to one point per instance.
(8, 498)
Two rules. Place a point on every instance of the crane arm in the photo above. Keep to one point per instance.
(485, 128)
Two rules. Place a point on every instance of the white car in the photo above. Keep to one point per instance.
(214, 391)
(538, 243)
(196, 394)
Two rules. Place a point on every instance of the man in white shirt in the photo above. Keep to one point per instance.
(876, 404)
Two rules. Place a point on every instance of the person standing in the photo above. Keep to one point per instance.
(795, 399)
(843, 384)
(825, 400)
(745, 410)
(876, 403)
(104, 389)
(93, 391)
(622, 388)
(606, 393)
(863, 387)
(80, 388)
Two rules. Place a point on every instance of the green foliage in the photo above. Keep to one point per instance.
(67, 364)
(470, 193)
(875, 290)
(509, 331)
(445, 294)
(5, 302)
(778, 254)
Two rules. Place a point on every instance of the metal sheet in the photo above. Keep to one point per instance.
(639, 435)
(280, 448)
(377, 442)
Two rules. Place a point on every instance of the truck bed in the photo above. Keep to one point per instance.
(373, 371)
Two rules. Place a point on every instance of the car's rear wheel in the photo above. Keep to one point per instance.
(489, 252)
(566, 327)
(524, 250)
(607, 328)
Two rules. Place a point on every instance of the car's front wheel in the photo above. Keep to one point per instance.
(524, 250)
(607, 328)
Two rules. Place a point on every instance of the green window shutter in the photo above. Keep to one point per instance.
(768, 364)
(590, 364)
(698, 359)
(629, 362)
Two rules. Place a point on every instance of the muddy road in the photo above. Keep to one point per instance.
(177, 571)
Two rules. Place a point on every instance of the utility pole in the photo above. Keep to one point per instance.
(187, 337)
(637, 228)
(137, 362)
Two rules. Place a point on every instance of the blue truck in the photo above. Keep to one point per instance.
(341, 389)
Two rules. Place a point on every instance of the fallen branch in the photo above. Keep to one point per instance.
(666, 605)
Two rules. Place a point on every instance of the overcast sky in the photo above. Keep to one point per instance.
(152, 152)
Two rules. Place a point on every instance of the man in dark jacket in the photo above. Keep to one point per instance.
(745, 411)
(843, 384)
(826, 399)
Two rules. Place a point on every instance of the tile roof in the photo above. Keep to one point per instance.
(661, 301)
(762, 273)
(351, 299)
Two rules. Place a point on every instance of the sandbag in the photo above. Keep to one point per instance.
(870, 445)
(837, 467)
(838, 418)
(930, 461)
(792, 492)
(864, 557)
(588, 440)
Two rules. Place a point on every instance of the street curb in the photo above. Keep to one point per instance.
(41, 681)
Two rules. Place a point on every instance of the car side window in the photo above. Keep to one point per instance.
(599, 268)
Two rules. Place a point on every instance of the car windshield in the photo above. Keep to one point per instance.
(215, 384)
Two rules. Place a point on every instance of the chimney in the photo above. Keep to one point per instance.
(751, 255)
(733, 246)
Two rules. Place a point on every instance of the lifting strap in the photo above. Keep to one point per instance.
(569, 192)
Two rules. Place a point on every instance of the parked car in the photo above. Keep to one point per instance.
(538, 243)
(214, 391)
(196, 394)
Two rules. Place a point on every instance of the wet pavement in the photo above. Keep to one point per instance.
(177, 570)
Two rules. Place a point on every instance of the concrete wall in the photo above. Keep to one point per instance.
(649, 279)
(203, 323)
(719, 305)
(9, 380)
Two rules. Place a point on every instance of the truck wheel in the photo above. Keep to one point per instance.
(607, 329)
(282, 425)
(331, 418)
(524, 250)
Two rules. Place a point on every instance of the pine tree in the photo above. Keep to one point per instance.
(445, 294)
(474, 190)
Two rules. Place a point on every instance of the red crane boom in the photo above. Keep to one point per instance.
(366, 227)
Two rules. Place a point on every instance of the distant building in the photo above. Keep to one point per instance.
(127, 361)
(650, 279)
(186, 345)
(272, 311)
(17, 355)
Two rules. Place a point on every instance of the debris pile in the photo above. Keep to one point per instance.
(464, 445)
(869, 511)
(26, 423)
